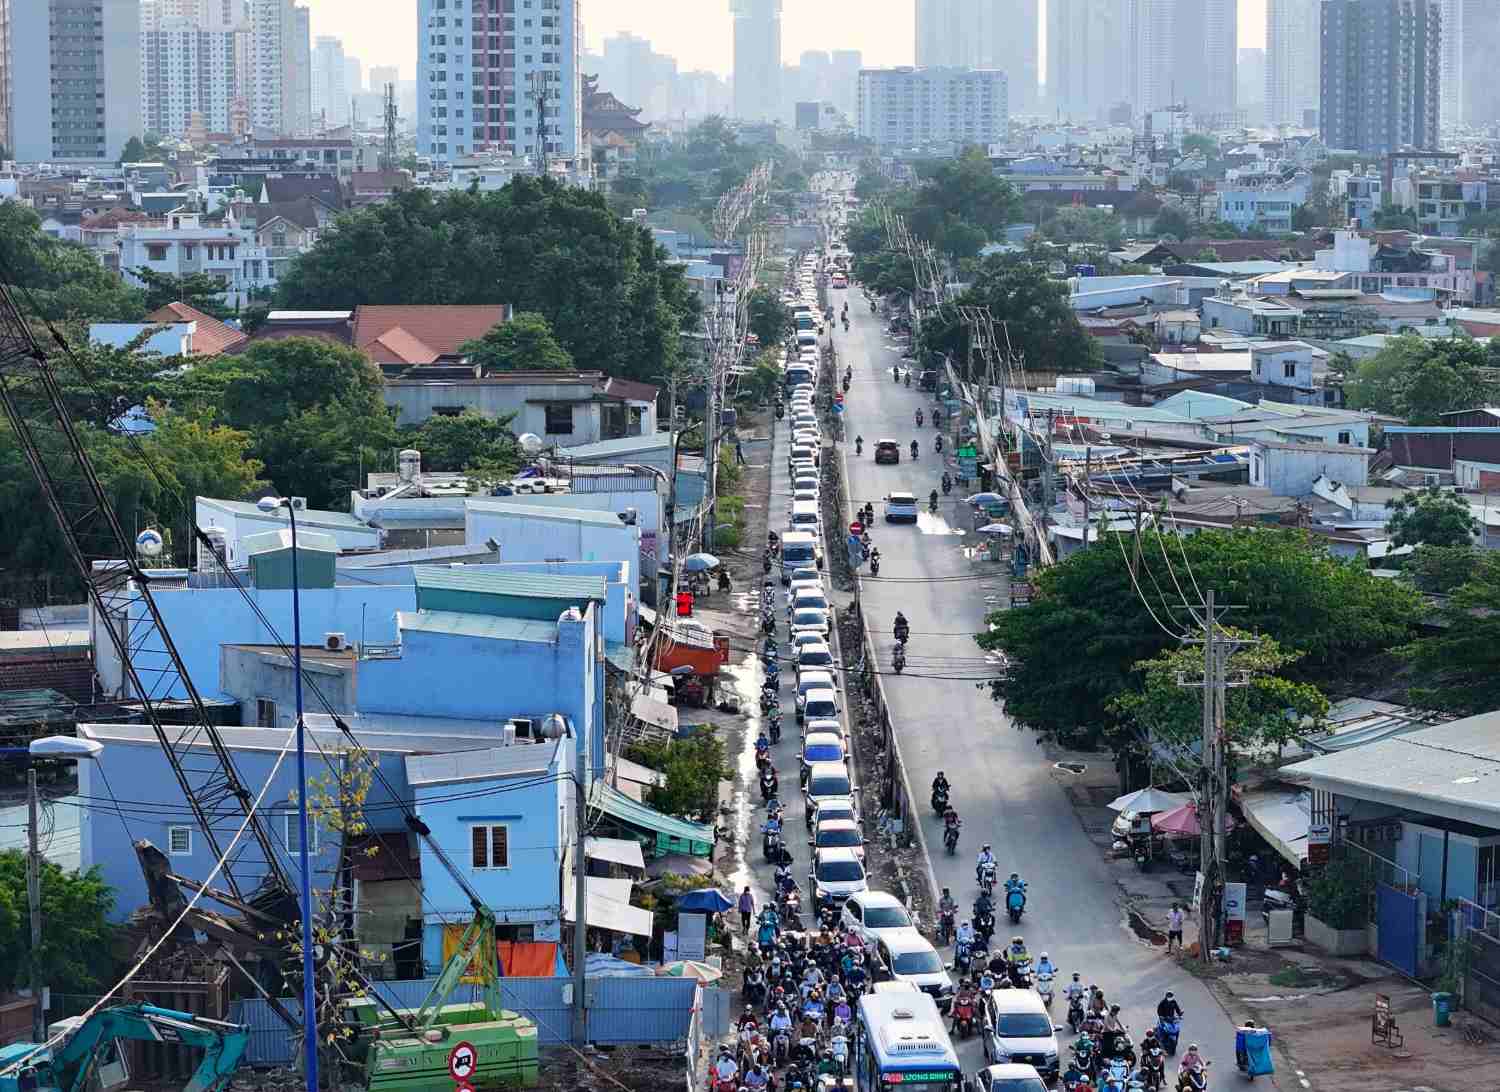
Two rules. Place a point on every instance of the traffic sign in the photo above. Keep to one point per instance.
(463, 1063)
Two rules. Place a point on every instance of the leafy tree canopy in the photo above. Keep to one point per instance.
(198, 290)
(1431, 517)
(77, 938)
(1459, 666)
(1173, 222)
(1071, 224)
(1077, 646)
(770, 319)
(525, 343)
(1420, 379)
(61, 281)
(466, 442)
(1200, 143)
(611, 296)
(1440, 569)
(1043, 330)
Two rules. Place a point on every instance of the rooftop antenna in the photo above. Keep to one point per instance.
(540, 82)
(389, 152)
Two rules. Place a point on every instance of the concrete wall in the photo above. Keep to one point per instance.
(1291, 473)
(523, 538)
(646, 502)
(1269, 367)
(249, 675)
(414, 402)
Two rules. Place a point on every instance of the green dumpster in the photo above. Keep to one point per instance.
(1442, 1009)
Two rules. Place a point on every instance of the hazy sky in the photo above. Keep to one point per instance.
(696, 32)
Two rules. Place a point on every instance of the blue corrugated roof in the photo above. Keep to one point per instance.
(529, 585)
(477, 625)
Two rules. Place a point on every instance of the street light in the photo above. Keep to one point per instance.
(309, 1008)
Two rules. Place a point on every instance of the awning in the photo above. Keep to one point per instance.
(625, 851)
(1281, 816)
(653, 712)
(646, 614)
(608, 906)
(672, 835)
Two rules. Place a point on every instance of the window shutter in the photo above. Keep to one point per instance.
(480, 846)
(500, 847)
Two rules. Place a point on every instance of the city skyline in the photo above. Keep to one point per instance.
(697, 33)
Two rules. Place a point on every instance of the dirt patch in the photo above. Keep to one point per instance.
(639, 1069)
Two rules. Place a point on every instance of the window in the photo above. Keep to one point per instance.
(1289, 369)
(156, 252)
(294, 833)
(265, 713)
(560, 419)
(447, 411)
(1346, 438)
(180, 841)
(489, 846)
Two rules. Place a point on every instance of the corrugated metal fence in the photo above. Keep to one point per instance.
(621, 1010)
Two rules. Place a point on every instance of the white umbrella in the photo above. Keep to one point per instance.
(1147, 800)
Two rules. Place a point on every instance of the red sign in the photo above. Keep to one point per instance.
(463, 1063)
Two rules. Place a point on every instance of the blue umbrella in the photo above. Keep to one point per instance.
(696, 563)
(707, 900)
(986, 498)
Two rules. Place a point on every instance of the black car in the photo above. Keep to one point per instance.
(887, 451)
(928, 380)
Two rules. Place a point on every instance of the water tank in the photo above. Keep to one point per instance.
(409, 464)
(219, 538)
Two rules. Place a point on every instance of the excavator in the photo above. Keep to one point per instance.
(89, 1054)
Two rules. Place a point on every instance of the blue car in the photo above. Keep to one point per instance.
(901, 508)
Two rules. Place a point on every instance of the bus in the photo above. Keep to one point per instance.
(899, 1039)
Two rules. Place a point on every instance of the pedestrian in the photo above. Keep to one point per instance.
(747, 908)
(1174, 927)
(739, 453)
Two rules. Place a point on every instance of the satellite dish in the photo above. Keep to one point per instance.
(148, 543)
(530, 443)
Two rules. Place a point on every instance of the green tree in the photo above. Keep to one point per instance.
(1076, 647)
(77, 937)
(1390, 218)
(1419, 379)
(1440, 569)
(198, 290)
(1042, 329)
(1261, 713)
(1458, 665)
(757, 385)
(1085, 225)
(1430, 517)
(525, 343)
(770, 319)
(465, 442)
(1173, 222)
(607, 289)
(133, 152)
(60, 281)
(1200, 143)
(693, 768)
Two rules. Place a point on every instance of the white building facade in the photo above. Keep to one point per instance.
(1269, 205)
(913, 107)
(1293, 30)
(188, 70)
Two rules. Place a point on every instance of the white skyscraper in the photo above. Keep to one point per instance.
(1293, 34)
(912, 107)
(1150, 37)
(189, 71)
(1001, 34)
(480, 77)
(757, 59)
(1183, 52)
(1452, 79)
(1086, 51)
(330, 96)
(70, 79)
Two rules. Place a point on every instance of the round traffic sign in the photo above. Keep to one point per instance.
(463, 1062)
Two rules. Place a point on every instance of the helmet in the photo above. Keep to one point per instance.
(1015, 875)
(945, 891)
(749, 1008)
(1044, 955)
(1076, 978)
(1018, 940)
(1193, 1046)
(986, 846)
(965, 924)
(1168, 997)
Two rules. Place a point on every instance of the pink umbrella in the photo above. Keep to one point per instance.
(1181, 821)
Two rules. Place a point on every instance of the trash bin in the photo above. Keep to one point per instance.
(1442, 1008)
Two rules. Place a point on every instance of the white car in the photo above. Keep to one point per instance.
(825, 724)
(839, 834)
(874, 914)
(805, 495)
(908, 955)
(811, 618)
(805, 481)
(815, 658)
(808, 682)
(836, 872)
(808, 597)
(806, 636)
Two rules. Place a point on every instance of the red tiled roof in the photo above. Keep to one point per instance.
(114, 217)
(212, 336)
(396, 346)
(441, 328)
(630, 389)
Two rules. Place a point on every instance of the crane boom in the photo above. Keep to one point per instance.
(32, 397)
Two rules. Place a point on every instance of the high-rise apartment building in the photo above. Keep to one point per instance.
(1003, 34)
(1481, 101)
(70, 78)
(1381, 74)
(1293, 50)
(330, 94)
(757, 59)
(1451, 80)
(281, 102)
(1086, 51)
(190, 74)
(916, 107)
(846, 64)
(1183, 52)
(503, 81)
(299, 77)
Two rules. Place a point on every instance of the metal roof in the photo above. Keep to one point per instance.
(556, 515)
(310, 517)
(492, 762)
(531, 585)
(1451, 770)
(455, 624)
(246, 738)
(625, 445)
(616, 804)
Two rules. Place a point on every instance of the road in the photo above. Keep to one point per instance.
(1003, 785)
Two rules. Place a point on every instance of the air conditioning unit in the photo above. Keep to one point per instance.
(335, 642)
(520, 728)
(299, 504)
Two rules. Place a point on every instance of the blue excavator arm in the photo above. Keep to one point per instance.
(223, 1045)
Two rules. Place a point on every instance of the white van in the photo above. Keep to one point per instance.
(807, 337)
(799, 549)
(804, 517)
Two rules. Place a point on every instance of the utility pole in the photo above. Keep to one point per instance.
(1088, 467)
(580, 886)
(390, 128)
(540, 83)
(34, 899)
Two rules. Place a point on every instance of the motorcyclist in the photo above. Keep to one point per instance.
(940, 783)
(984, 905)
(1168, 1010)
(908, 377)
(963, 1000)
(747, 1019)
(1148, 1042)
(1115, 1039)
(1044, 965)
(916, 450)
(1015, 883)
(780, 1021)
(947, 904)
(726, 1069)
(828, 1063)
(986, 857)
(947, 482)
(1017, 954)
(902, 628)
(859, 445)
(937, 443)
(965, 935)
(875, 561)
(919, 418)
(932, 500)
(1192, 1060)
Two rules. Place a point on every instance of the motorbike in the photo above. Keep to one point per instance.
(919, 418)
(916, 451)
(781, 1047)
(950, 839)
(772, 846)
(1075, 1014)
(1020, 974)
(768, 786)
(1193, 1080)
(859, 445)
(875, 563)
(1015, 904)
(1116, 1069)
(987, 878)
(1085, 1055)
(947, 485)
(1153, 1071)
(984, 926)
(898, 659)
(964, 1020)
(1167, 1033)
(946, 926)
(1044, 987)
(908, 377)
(773, 726)
(769, 701)
(939, 800)
(937, 444)
(932, 503)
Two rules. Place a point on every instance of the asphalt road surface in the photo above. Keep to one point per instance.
(1003, 785)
